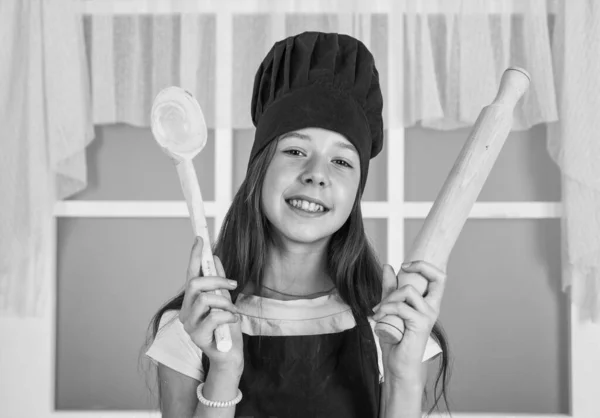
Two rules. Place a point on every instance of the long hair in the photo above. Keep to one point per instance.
(246, 235)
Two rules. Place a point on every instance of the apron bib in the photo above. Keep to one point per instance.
(319, 376)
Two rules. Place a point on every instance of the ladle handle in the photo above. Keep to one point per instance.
(195, 204)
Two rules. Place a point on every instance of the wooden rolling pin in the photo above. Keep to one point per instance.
(458, 194)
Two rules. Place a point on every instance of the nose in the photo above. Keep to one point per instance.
(316, 172)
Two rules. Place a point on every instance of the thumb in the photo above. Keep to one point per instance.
(390, 282)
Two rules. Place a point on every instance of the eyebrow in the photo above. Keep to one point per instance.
(308, 138)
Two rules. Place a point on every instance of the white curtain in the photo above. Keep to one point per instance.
(451, 55)
(46, 124)
(452, 60)
(574, 143)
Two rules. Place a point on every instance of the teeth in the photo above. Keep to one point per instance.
(307, 206)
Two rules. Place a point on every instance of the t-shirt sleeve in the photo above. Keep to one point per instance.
(432, 349)
(174, 348)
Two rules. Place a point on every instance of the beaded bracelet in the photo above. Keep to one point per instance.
(217, 404)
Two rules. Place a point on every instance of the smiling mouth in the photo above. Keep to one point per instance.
(305, 206)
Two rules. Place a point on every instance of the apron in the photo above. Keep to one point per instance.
(319, 376)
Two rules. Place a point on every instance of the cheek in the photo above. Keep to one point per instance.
(351, 188)
(346, 196)
(280, 176)
(274, 185)
(350, 198)
(268, 191)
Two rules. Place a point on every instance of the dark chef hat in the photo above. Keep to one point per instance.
(320, 80)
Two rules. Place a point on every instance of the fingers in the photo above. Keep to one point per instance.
(217, 318)
(407, 297)
(207, 303)
(195, 264)
(436, 281)
(390, 282)
(424, 268)
(405, 312)
(202, 333)
(198, 285)
(207, 326)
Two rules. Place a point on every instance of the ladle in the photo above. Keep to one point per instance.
(179, 128)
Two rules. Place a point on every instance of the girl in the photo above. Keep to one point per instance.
(306, 288)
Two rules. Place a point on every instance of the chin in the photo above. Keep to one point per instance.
(306, 235)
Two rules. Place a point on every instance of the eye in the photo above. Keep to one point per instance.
(344, 163)
(298, 153)
(293, 152)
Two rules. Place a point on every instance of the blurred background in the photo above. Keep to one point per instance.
(94, 233)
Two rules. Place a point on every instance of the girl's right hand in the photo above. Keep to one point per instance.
(200, 318)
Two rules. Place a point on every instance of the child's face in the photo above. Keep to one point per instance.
(311, 164)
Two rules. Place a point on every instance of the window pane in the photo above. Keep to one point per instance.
(506, 318)
(126, 163)
(522, 172)
(376, 230)
(113, 276)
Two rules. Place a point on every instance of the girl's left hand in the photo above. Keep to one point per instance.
(403, 361)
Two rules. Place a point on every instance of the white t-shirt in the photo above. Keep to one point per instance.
(174, 348)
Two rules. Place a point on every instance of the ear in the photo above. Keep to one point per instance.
(390, 282)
